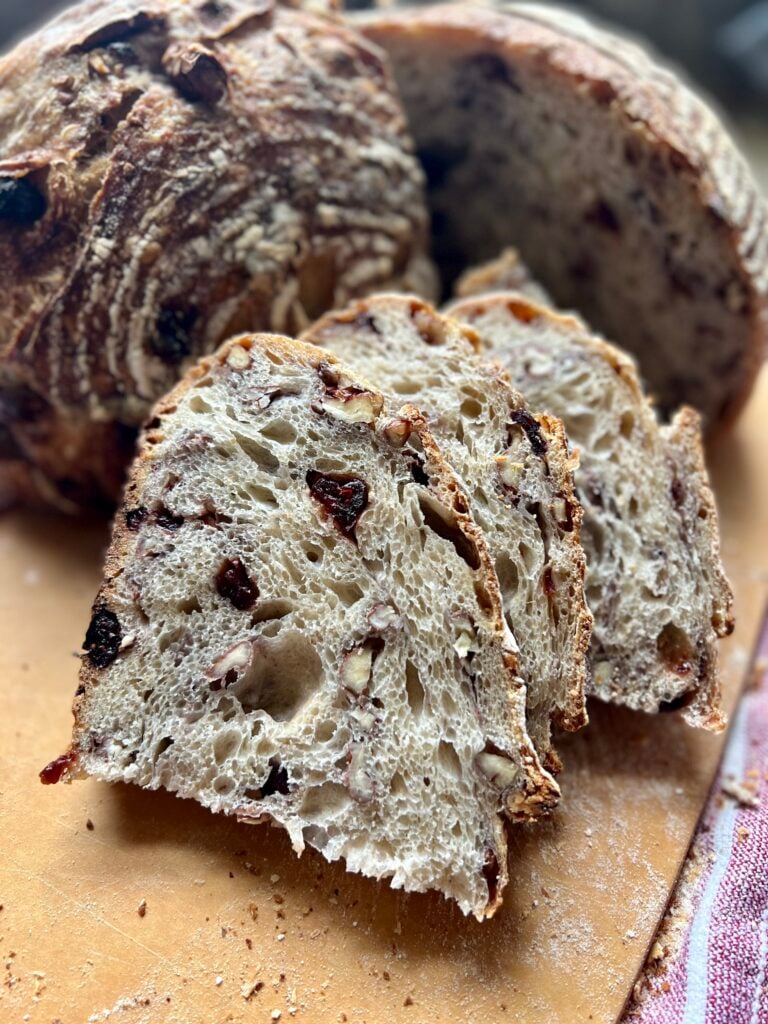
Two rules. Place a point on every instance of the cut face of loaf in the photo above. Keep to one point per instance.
(299, 621)
(655, 583)
(173, 173)
(621, 189)
(517, 474)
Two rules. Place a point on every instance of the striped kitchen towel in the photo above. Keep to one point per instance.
(709, 964)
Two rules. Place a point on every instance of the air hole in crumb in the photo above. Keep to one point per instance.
(325, 731)
(323, 801)
(258, 453)
(261, 495)
(348, 593)
(509, 577)
(162, 746)
(223, 786)
(171, 637)
(414, 689)
(284, 675)
(471, 408)
(189, 605)
(277, 608)
(442, 521)
(397, 785)
(426, 781)
(676, 650)
(313, 554)
(627, 424)
(280, 431)
(448, 759)
(225, 745)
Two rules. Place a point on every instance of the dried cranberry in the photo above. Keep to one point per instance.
(167, 520)
(172, 341)
(134, 517)
(345, 498)
(20, 201)
(102, 641)
(234, 583)
(532, 431)
(53, 772)
(277, 780)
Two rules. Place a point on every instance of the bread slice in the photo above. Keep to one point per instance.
(517, 473)
(300, 621)
(507, 273)
(174, 172)
(655, 582)
(620, 187)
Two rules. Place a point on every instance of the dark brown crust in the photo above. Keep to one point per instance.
(190, 163)
(647, 101)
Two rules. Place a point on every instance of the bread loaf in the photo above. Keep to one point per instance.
(619, 186)
(655, 582)
(172, 173)
(299, 621)
(517, 473)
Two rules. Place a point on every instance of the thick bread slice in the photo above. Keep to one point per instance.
(517, 473)
(655, 582)
(173, 172)
(621, 189)
(299, 621)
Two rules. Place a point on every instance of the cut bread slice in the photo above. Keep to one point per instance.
(655, 582)
(620, 187)
(518, 476)
(299, 621)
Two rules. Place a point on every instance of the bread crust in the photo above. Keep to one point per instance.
(652, 108)
(186, 172)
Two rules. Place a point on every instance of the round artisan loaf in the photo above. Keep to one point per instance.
(171, 173)
(619, 186)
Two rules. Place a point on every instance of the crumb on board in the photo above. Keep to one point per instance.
(742, 833)
(408, 1001)
(743, 792)
(758, 673)
(89, 824)
(251, 988)
(141, 910)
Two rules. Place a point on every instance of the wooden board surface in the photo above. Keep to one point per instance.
(237, 928)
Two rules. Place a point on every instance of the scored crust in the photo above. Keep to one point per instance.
(620, 187)
(222, 470)
(185, 172)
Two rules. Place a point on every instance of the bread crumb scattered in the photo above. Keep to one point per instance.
(742, 833)
(276, 1015)
(408, 1001)
(274, 878)
(253, 910)
(219, 980)
(742, 792)
(141, 910)
(250, 989)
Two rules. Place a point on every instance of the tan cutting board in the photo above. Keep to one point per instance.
(229, 907)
